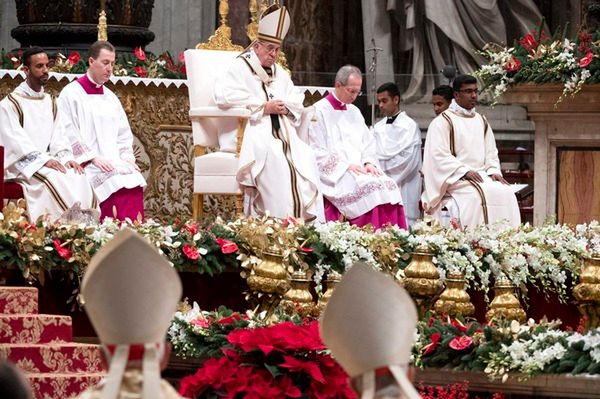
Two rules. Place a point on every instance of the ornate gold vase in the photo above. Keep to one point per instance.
(332, 279)
(454, 300)
(587, 292)
(422, 280)
(505, 303)
(298, 299)
(268, 281)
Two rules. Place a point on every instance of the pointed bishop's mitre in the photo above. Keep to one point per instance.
(131, 294)
(130, 291)
(274, 24)
(369, 323)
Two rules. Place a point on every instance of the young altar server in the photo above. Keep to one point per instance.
(101, 138)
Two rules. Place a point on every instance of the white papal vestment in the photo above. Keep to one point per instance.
(399, 154)
(459, 141)
(31, 135)
(276, 168)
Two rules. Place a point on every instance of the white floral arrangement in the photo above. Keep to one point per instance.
(539, 59)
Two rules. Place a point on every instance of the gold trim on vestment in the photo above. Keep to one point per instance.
(17, 108)
(483, 200)
(53, 191)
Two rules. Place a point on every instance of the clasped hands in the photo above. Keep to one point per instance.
(364, 170)
(276, 107)
(476, 177)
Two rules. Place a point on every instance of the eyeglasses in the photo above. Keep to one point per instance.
(353, 92)
(270, 49)
(469, 91)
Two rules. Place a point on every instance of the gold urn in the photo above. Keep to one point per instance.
(455, 299)
(422, 280)
(505, 303)
(268, 281)
(298, 299)
(332, 279)
(587, 292)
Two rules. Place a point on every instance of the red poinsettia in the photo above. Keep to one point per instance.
(74, 58)
(458, 324)
(63, 252)
(306, 250)
(280, 337)
(139, 54)
(229, 319)
(461, 343)
(513, 65)
(528, 42)
(182, 57)
(141, 71)
(190, 252)
(430, 347)
(191, 227)
(227, 247)
(288, 370)
(586, 59)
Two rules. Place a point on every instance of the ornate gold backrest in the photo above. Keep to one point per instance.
(221, 39)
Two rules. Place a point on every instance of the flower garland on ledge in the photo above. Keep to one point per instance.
(546, 256)
(139, 64)
(227, 340)
(538, 59)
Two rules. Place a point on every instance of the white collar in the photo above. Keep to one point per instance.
(334, 96)
(454, 107)
(93, 81)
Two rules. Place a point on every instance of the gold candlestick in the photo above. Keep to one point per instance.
(102, 25)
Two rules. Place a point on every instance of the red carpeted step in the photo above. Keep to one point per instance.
(18, 300)
(62, 386)
(54, 358)
(35, 329)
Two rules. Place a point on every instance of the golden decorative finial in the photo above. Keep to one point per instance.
(102, 26)
(252, 29)
(221, 40)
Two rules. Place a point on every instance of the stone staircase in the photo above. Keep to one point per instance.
(41, 346)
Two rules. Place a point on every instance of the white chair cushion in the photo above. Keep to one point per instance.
(216, 164)
(216, 185)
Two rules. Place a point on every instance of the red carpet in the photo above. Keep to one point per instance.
(41, 346)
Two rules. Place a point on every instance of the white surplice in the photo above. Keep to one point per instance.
(340, 139)
(31, 136)
(97, 126)
(276, 168)
(445, 162)
(399, 154)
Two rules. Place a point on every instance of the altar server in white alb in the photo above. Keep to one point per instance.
(398, 139)
(101, 138)
(276, 168)
(461, 168)
(37, 154)
(353, 184)
(131, 294)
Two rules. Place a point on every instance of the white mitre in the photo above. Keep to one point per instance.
(131, 294)
(274, 24)
(369, 323)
